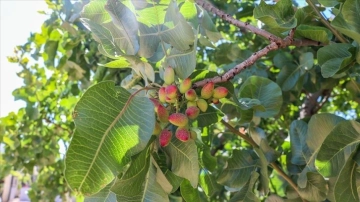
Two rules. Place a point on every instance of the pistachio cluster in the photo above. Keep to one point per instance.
(176, 104)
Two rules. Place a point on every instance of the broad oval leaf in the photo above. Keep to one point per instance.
(139, 183)
(347, 21)
(315, 33)
(111, 126)
(337, 147)
(334, 57)
(298, 130)
(265, 90)
(208, 182)
(345, 186)
(246, 193)
(278, 17)
(125, 20)
(238, 169)
(189, 193)
(103, 195)
(184, 160)
(316, 189)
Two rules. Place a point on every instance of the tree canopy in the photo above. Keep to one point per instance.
(189, 100)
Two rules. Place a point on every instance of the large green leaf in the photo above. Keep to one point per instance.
(347, 21)
(298, 130)
(337, 147)
(124, 19)
(319, 127)
(334, 57)
(183, 62)
(209, 117)
(95, 11)
(246, 194)
(111, 126)
(238, 169)
(103, 36)
(103, 195)
(49, 54)
(315, 33)
(184, 160)
(139, 182)
(278, 17)
(316, 188)
(345, 188)
(189, 193)
(208, 182)
(265, 90)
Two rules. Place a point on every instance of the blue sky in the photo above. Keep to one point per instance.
(17, 19)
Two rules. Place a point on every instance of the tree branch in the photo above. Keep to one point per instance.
(275, 44)
(209, 7)
(238, 68)
(326, 23)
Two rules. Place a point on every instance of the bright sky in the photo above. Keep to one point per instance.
(17, 19)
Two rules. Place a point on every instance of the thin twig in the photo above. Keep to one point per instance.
(273, 165)
(287, 178)
(326, 23)
(246, 138)
(211, 8)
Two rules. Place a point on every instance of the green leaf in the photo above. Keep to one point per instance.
(49, 54)
(209, 117)
(334, 57)
(209, 27)
(264, 175)
(329, 3)
(183, 62)
(109, 116)
(289, 76)
(246, 194)
(298, 130)
(103, 195)
(347, 21)
(208, 182)
(175, 30)
(319, 127)
(139, 182)
(95, 11)
(279, 17)
(125, 20)
(337, 147)
(103, 36)
(208, 160)
(174, 180)
(315, 33)
(345, 186)
(316, 188)
(184, 160)
(238, 169)
(120, 63)
(189, 193)
(265, 90)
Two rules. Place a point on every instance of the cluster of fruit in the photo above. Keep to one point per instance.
(170, 101)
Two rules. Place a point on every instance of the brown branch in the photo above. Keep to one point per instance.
(287, 178)
(238, 68)
(275, 44)
(273, 165)
(326, 23)
(311, 105)
(209, 7)
(246, 138)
